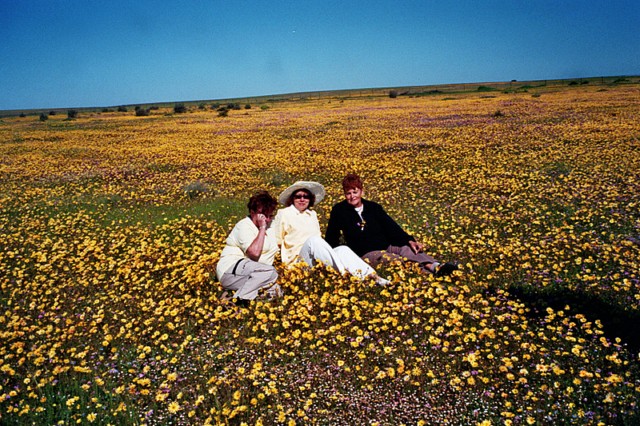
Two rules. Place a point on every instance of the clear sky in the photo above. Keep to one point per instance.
(91, 53)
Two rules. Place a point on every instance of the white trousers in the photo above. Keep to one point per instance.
(341, 258)
(248, 277)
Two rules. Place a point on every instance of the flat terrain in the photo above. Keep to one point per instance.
(111, 226)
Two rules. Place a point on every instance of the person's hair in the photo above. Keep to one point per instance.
(312, 197)
(351, 181)
(262, 202)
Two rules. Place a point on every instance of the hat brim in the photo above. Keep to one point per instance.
(314, 187)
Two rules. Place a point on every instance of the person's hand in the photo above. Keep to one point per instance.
(416, 247)
(262, 221)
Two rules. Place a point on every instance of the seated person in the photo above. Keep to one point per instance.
(246, 262)
(372, 234)
(297, 232)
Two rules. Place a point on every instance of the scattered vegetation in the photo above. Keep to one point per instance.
(142, 112)
(179, 109)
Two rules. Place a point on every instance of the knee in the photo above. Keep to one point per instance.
(314, 241)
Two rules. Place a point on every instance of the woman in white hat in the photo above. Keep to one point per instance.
(297, 232)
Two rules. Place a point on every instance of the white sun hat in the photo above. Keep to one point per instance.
(314, 187)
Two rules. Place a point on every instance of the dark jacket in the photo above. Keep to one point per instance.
(378, 232)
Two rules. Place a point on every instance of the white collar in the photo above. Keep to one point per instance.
(292, 207)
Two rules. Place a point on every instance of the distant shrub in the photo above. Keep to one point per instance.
(52, 112)
(223, 112)
(498, 113)
(215, 106)
(22, 115)
(72, 113)
(393, 94)
(43, 116)
(264, 107)
(122, 109)
(195, 190)
(573, 83)
(179, 109)
(142, 112)
(247, 106)
(154, 107)
(485, 89)
(107, 110)
(202, 106)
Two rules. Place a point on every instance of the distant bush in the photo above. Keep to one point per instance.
(247, 106)
(393, 94)
(498, 113)
(223, 112)
(72, 113)
(107, 110)
(142, 112)
(485, 89)
(179, 109)
(202, 106)
(122, 109)
(43, 116)
(264, 107)
(52, 112)
(22, 115)
(195, 190)
(215, 106)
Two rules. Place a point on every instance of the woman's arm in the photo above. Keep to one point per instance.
(254, 251)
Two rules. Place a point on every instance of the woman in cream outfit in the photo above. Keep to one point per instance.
(297, 232)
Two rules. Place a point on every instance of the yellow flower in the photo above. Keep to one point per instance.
(173, 407)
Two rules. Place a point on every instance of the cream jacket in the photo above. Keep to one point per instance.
(292, 228)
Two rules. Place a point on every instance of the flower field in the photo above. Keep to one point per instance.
(111, 226)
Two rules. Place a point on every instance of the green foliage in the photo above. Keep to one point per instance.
(179, 109)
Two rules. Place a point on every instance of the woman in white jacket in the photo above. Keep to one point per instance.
(297, 232)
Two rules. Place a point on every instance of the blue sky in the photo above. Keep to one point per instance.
(89, 53)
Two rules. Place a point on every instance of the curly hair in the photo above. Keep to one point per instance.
(262, 202)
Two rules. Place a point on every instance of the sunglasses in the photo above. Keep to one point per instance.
(302, 196)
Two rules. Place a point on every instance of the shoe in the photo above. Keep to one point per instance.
(446, 269)
(243, 303)
(382, 281)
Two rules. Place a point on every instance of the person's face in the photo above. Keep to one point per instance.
(301, 200)
(260, 218)
(354, 197)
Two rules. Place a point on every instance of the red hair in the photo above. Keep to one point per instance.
(351, 181)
